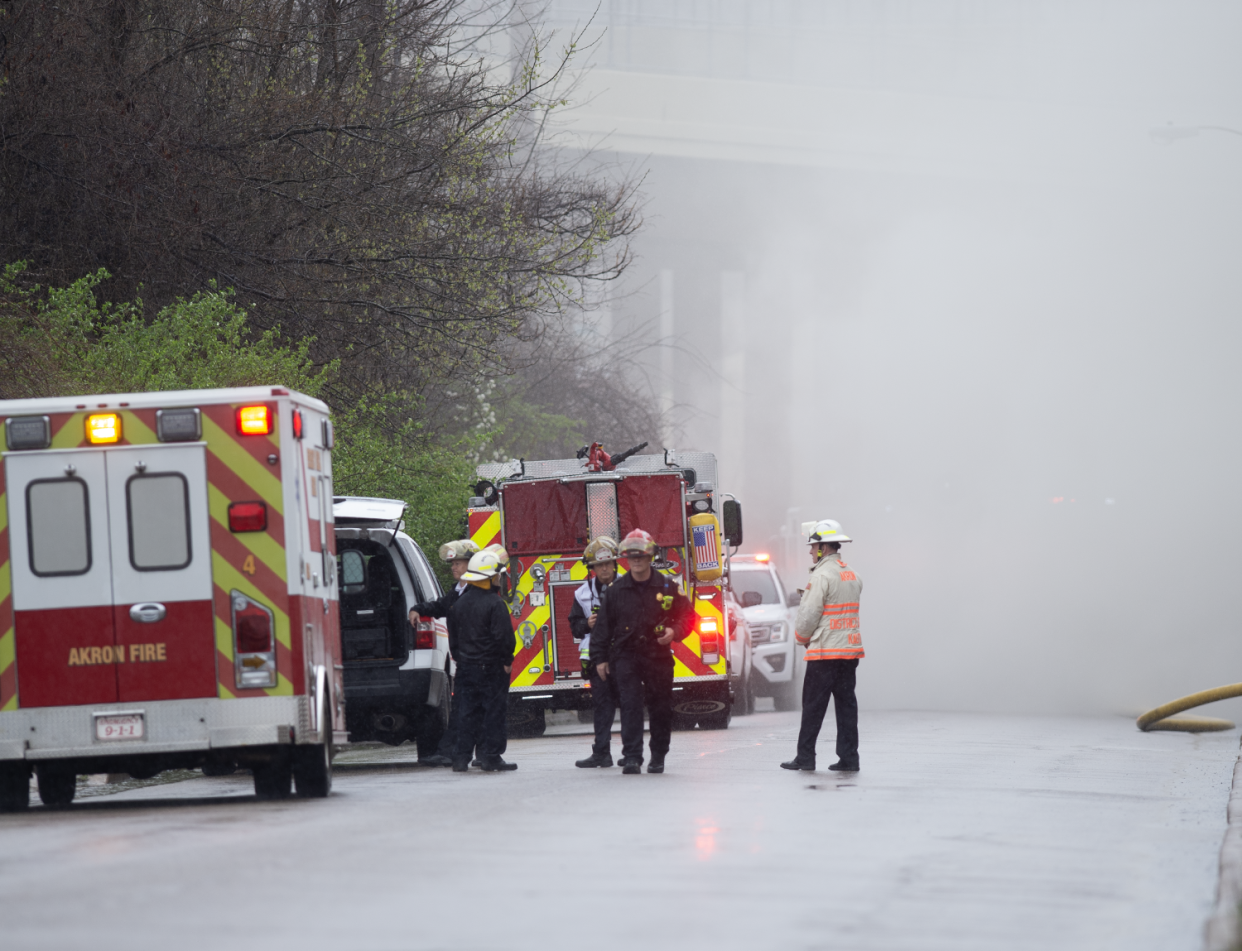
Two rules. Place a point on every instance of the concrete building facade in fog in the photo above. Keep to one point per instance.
(917, 266)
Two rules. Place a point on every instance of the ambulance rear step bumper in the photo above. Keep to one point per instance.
(171, 726)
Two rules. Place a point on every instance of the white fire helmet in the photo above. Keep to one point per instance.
(825, 530)
(602, 549)
(483, 566)
(502, 556)
(460, 550)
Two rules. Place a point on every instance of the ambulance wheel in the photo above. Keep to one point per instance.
(525, 721)
(312, 764)
(274, 778)
(14, 787)
(219, 766)
(56, 786)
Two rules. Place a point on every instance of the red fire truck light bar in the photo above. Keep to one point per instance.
(248, 517)
(254, 421)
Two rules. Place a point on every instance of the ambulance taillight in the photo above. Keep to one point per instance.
(709, 638)
(254, 420)
(254, 644)
(247, 517)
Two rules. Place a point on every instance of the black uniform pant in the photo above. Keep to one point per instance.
(482, 694)
(607, 698)
(640, 678)
(829, 680)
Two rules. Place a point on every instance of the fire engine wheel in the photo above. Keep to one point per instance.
(717, 721)
(312, 764)
(14, 787)
(56, 786)
(274, 778)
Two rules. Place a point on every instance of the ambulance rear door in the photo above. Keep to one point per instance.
(62, 577)
(161, 571)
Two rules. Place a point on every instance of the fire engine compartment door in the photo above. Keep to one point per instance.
(161, 556)
(62, 577)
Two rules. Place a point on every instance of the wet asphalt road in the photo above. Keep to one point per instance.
(962, 832)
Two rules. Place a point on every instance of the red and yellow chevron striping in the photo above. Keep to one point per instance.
(8, 642)
(253, 563)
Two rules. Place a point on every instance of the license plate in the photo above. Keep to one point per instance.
(119, 726)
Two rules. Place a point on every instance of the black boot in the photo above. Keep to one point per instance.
(595, 759)
(843, 767)
(461, 765)
(795, 763)
(494, 764)
(438, 759)
(630, 766)
(656, 765)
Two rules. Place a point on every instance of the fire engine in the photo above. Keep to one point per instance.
(168, 595)
(545, 512)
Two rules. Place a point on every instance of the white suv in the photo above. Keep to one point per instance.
(770, 613)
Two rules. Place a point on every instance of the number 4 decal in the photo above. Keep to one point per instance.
(248, 565)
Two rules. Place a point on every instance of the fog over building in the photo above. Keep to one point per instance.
(963, 276)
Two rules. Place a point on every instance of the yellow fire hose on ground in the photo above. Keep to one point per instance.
(1161, 718)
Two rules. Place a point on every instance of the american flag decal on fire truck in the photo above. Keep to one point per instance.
(706, 554)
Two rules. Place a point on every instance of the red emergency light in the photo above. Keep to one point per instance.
(424, 634)
(254, 420)
(248, 517)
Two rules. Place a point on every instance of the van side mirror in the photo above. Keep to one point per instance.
(732, 522)
(793, 599)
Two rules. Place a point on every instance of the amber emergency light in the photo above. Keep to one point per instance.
(103, 428)
(254, 420)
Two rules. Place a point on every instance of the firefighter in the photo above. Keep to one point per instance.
(481, 641)
(601, 558)
(827, 625)
(641, 614)
(457, 554)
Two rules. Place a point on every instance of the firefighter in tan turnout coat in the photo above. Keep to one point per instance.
(827, 626)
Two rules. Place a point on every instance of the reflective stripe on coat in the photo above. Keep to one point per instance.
(827, 623)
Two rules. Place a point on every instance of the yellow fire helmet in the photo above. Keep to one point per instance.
(602, 549)
(460, 550)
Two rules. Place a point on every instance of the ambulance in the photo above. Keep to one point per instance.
(545, 512)
(168, 595)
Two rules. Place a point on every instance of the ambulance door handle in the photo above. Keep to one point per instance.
(148, 613)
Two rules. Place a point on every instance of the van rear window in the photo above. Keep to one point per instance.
(58, 527)
(159, 521)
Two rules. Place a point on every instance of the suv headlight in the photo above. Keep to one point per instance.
(778, 631)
